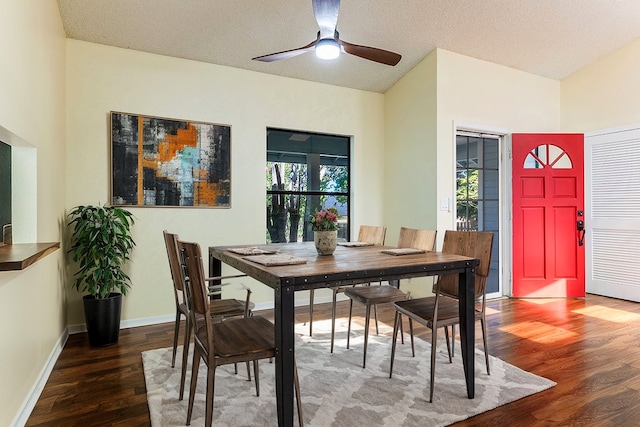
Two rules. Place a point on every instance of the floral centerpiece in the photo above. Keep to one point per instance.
(325, 230)
(325, 220)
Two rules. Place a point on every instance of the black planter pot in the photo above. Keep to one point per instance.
(102, 317)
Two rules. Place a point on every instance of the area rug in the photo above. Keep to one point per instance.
(336, 391)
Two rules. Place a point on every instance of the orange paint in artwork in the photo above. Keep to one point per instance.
(205, 194)
(149, 163)
(168, 148)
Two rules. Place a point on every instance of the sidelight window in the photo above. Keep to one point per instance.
(478, 191)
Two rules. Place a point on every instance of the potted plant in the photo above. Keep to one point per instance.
(101, 243)
(325, 230)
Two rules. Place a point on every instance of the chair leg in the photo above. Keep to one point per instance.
(396, 320)
(296, 383)
(366, 333)
(413, 348)
(185, 357)
(349, 324)
(453, 339)
(256, 374)
(211, 377)
(176, 332)
(375, 315)
(434, 340)
(333, 317)
(194, 380)
(311, 297)
(446, 336)
(484, 341)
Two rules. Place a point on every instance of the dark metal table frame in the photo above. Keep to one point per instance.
(347, 266)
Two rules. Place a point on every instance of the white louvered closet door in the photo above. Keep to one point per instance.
(612, 196)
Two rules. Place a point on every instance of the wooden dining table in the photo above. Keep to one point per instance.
(347, 266)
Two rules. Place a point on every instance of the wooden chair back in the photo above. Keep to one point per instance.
(372, 234)
(171, 242)
(417, 239)
(475, 244)
(198, 294)
(237, 340)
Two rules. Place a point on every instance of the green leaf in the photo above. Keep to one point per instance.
(101, 243)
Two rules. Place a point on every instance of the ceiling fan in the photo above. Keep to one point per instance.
(328, 44)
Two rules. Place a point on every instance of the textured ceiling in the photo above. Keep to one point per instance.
(550, 38)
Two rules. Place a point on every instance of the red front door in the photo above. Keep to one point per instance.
(548, 205)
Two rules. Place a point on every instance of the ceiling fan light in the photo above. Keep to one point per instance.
(327, 49)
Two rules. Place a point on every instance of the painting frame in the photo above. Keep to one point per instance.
(165, 162)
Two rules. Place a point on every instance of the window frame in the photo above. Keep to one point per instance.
(277, 146)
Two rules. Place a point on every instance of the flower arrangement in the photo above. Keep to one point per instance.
(325, 220)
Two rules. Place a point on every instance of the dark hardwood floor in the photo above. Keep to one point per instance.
(589, 347)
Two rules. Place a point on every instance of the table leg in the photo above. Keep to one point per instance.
(467, 326)
(215, 270)
(284, 334)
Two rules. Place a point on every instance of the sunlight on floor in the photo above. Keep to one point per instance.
(542, 301)
(606, 313)
(537, 332)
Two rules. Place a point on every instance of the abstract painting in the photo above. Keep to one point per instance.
(167, 162)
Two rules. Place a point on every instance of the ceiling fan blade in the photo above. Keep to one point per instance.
(326, 12)
(285, 54)
(371, 53)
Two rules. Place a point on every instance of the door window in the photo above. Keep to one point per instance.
(478, 192)
(547, 155)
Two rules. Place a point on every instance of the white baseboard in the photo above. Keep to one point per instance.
(23, 414)
(145, 321)
(125, 324)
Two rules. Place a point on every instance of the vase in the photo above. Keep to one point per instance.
(326, 241)
(102, 316)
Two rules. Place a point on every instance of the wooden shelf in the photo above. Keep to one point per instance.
(22, 255)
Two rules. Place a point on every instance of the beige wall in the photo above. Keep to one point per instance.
(411, 168)
(103, 79)
(32, 107)
(605, 94)
(410, 146)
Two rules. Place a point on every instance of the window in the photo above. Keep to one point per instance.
(478, 192)
(547, 155)
(306, 172)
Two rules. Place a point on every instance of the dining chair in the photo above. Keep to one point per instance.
(424, 240)
(448, 285)
(441, 309)
(241, 339)
(367, 234)
(372, 234)
(219, 308)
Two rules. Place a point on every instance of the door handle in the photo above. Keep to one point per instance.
(581, 230)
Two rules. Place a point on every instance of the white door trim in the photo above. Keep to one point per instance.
(504, 171)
